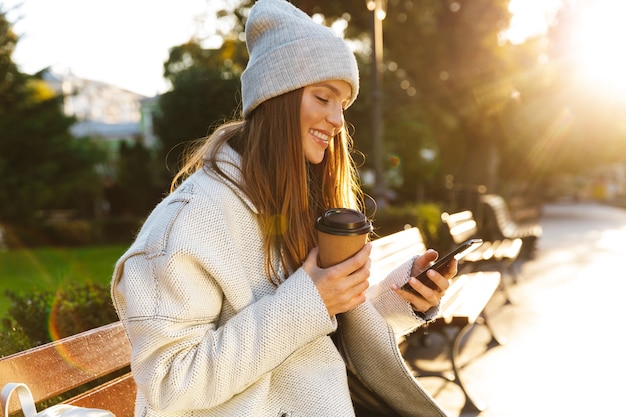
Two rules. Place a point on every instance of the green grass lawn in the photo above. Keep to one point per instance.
(51, 268)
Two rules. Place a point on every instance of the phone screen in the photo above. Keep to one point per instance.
(442, 263)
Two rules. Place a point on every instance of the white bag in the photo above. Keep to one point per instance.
(60, 410)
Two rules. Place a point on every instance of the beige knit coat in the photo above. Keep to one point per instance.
(211, 336)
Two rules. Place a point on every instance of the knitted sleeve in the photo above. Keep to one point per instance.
(398, 313)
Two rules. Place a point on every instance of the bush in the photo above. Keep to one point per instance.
(72, 233)
(116, 230)
(42, 316)
(12, 339)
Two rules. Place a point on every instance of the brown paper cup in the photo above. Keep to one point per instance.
(341, 233)
(335, 249)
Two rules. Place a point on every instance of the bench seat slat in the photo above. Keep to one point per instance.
(477, 289)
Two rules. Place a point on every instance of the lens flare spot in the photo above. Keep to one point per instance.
(277, 225)
(393, 161)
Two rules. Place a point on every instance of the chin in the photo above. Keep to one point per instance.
(316, 160)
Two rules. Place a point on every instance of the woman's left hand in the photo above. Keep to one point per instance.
(429, 297)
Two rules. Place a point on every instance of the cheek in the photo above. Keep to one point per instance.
(310, 110)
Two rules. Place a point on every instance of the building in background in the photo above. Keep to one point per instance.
(103, 110)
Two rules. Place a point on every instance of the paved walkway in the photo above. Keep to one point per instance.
(564, 351)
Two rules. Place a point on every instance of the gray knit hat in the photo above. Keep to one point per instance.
(288, 51)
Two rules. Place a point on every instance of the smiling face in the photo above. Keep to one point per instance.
(321, 116)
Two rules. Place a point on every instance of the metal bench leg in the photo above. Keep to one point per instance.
(505, 290)
(509, 270)
(471, 405)
(495, 339)
(453, 342)
(513, 270)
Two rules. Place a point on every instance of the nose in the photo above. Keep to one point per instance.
(335, 117)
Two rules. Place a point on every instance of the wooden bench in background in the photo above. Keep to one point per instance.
(498, 223)
(99, 358)
(92, 369)
(499, 254)
(462, 307)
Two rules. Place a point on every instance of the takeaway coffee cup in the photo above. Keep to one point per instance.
(341, 232)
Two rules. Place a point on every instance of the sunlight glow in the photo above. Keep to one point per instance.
(598, 46)
(530, 18)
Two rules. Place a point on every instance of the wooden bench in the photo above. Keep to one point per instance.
(97, 362)
(498, 223)
(499, 254)
(462, 307)
(98, 357)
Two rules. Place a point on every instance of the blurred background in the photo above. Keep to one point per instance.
(459, 98)
(521, 98)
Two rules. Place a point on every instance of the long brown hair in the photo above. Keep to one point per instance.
(288, 192)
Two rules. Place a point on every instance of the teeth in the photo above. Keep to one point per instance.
(319, 135)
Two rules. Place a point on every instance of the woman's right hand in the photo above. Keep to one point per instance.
(342, 287)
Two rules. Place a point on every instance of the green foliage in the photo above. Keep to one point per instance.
(12, 339)
(42, 166)
(456, 72)
(204, 92)
(73, 233)
(8, 69)
(139, 186)
(42, 316)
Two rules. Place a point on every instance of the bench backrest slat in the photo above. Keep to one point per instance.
(390, 251)
(500, 208)
(461, 225)
(117, 396)
(57, 367)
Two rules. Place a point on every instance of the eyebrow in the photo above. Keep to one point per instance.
(332, 88)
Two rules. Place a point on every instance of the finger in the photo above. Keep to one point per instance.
(441, 282)
(358, 280)
(351, 276)
(425, 299)
(450, 269)
(310, 263)
(454, 268)
(425, 291)
(354, 263)
(424, 261)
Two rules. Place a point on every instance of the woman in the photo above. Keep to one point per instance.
(226, 308)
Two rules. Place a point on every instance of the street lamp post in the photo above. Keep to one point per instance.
(379, 12)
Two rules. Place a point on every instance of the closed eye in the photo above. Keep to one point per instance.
(323, 100)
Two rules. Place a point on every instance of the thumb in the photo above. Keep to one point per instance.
(311, 258)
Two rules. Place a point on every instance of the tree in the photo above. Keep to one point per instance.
(137, 190)
(557, 126)
(204, 92)
(42, 166)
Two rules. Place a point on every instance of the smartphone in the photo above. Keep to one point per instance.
(442, 263)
